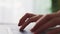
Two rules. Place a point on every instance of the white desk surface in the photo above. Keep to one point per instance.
(14, 29)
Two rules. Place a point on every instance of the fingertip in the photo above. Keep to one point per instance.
(35, 33)
(21, 29)
(32, 30)
(19, 24)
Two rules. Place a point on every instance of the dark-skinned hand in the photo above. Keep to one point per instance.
(43, 22)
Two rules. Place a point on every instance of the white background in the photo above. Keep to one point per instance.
(12, 10)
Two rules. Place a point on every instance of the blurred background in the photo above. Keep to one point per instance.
(12, 10)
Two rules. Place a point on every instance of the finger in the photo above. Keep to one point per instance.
(40, 22)
(22, 20)
(51, 23)
(44, 20)
(32, 19)
(54, 31)
(35, 18)
(24, 25)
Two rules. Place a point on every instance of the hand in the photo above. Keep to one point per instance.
(31, 18)
(46, 22)
(43, 22)
(26, 16)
